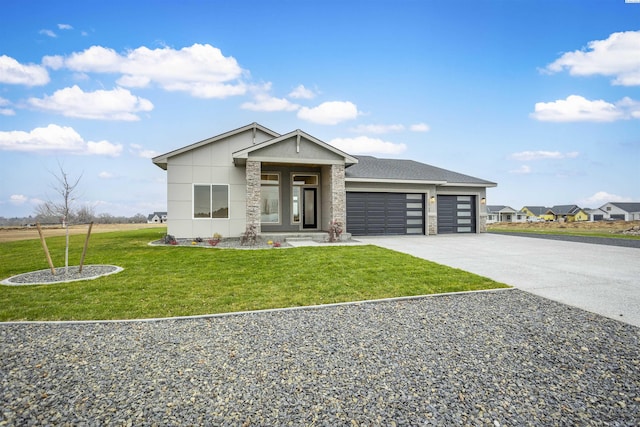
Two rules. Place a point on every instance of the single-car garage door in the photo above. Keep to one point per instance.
(456, 214)
(375, 214)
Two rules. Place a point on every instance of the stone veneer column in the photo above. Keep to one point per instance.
(338, 195)
(252, 173)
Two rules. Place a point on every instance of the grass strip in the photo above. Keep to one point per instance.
(181, 281)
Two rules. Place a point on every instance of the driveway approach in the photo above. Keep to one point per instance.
(598, 278)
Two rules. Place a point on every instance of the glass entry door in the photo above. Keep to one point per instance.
(309, 208)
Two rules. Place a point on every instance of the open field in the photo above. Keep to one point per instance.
(598, 228)
(11, 234)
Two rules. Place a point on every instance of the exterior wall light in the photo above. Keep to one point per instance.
(483, 201)
(432, 199)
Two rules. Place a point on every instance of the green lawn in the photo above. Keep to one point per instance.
(181, 281)
(565, 232)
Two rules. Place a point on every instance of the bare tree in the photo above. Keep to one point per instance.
(62, 209)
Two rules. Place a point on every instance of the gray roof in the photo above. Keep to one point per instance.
(537, 210)
(369, 167)
(628, 207)
(564, 209)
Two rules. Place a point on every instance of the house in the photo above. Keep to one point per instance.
(293, 183)
(157, 218)
(622, 211)
(501, 213)
(539, 212)
(596, 214)
(568, 213)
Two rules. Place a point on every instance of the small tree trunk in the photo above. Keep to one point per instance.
(66, 250)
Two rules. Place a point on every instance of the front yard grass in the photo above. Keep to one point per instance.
(183, 281)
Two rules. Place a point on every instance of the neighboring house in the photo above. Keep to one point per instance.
(621, 210)
(501, 213)
(539, 212)
(157, 218)
(596, 214)
(292, 183)
(568, 213)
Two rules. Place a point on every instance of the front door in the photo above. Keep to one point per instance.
(309, 208)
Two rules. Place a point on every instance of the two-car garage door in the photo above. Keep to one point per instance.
(375, 214)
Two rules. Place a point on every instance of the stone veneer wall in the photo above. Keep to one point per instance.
(483, 223)
(252, 172)
(338, 195)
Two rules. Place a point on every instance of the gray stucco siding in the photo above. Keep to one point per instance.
(287, 150)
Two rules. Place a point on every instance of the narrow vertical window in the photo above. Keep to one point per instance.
(270, 198)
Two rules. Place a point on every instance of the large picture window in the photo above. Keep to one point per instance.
(210, 201)
(270, 198)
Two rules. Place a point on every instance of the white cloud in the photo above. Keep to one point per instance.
(116, 104)
(5, 111)
(57, 139)
(12, 72)
(378, 129)
(522, 170)
(106, 175)
(617, 56)
(48, 33)
(579, 109)
(138, 150)
(302, 92)
(264, 102)
(601, 197)
(366, 145)
(420, 127)
(200, 70)
(329, 113)
(65, 27)
(541, 155)
(18, 199)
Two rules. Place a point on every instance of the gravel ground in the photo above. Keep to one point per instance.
(63, 274)
(486, 358)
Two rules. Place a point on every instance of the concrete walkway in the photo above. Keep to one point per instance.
(598, 278)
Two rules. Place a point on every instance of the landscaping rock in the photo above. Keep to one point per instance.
(485, 358)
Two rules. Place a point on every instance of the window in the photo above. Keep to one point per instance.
(270, 198)
(210, 201)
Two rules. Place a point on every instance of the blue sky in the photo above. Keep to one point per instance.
(542, 97)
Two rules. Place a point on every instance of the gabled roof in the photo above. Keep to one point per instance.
(628, 207)
(371, 168)
(244, 153)
(500, 208)
(565, 209)
(536, 210)
(162, 159)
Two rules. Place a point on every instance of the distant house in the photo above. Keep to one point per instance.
(621, 211)
(568, 213)
(296, 183)
(539, 212)
(501, 213)
(157, 218)
(596, 214)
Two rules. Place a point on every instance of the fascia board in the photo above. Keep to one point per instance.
(395, 181)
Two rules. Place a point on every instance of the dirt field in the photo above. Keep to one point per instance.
(591, 227)
(9, 234)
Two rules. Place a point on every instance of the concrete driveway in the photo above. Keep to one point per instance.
(598, 278)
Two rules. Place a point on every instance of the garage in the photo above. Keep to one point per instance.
(379, 214)
(456, 214)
